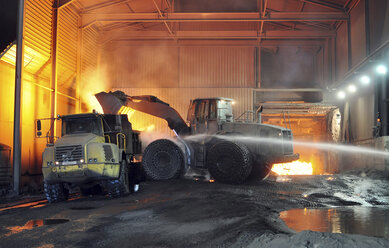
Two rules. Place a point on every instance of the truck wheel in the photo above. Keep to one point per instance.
(119, 187)
(260, 171)
(55, 192)
(163, 160)
(229, 162)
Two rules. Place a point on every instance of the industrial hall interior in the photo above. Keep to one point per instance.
(182, 123)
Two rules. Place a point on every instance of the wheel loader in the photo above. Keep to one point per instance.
(94, 151)
(231, 151)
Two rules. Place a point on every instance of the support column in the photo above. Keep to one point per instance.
(17, 138)
(54, 94)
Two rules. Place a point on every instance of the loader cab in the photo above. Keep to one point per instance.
(206, 115)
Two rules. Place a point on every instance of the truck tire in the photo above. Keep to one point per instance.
(261, 170)
(119, 187)
(163, 160)
(229, 162)
(55, 192)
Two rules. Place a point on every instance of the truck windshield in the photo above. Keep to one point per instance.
(81, 125)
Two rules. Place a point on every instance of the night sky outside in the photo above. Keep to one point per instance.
(8, 17)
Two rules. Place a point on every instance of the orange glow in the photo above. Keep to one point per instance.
(93, 82)
(29, 225)
(293, 168)
(25, 205)
(212, 181)
(136, 125)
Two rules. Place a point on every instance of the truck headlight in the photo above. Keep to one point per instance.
(56, 162)
(82, 161)
(90, 160)
(95, 160)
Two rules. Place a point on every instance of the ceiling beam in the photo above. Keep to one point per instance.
(64, 3)
(89, 19)
(166, 24)
(221, 43)
(103, 5)
(325, 4)
(288, 34)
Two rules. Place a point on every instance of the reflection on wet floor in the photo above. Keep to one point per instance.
(370, 221)
(32, 224)
(37, 204)
(33, 204)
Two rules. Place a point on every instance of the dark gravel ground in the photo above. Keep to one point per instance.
(188, 213)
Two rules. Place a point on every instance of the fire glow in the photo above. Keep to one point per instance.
(293, 168)
(135, 125)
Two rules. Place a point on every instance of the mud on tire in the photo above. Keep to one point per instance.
(119, 187)
(55, 192)
(163, 160)
(229, 162)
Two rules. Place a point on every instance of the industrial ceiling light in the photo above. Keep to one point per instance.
(351, 88)
(365, 79)
(341, 95)
(381, 69)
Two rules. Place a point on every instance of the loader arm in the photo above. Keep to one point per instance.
(112, 102)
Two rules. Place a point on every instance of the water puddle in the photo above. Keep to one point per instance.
(34, 223)
(369, 221)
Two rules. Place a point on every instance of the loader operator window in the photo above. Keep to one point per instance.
(202, 111)
(212, 110)
(81, 125)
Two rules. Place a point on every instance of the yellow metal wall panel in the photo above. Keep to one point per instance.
(35, 104)
(67, 49)
(179, 99)
(37, 36)
(89, 51)
(217, 67)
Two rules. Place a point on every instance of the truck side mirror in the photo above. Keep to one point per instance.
(39, 128)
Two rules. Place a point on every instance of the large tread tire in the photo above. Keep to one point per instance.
(55, 192)
(119, 187)
(163, 160)
(229, 162)
(260, 171)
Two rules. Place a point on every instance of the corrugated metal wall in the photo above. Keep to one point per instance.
(358, 33)
(216, 67)
(37, 37)
(341, 67)
(379, 29)
(145, 67)
(89, 52)
(67, 50)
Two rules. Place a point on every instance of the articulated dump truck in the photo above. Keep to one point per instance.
(231, 151)
(94, 151)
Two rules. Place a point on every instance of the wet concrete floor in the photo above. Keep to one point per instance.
(370, 221)
(187, 213)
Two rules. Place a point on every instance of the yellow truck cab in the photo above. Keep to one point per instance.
(94, 149)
